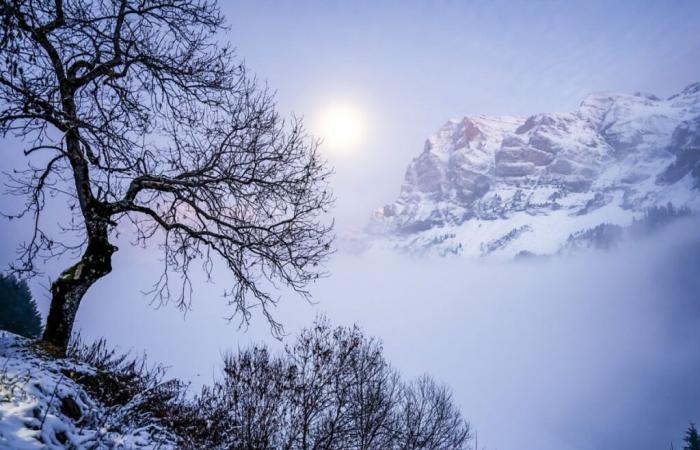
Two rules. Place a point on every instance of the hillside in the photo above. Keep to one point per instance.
(46, 404)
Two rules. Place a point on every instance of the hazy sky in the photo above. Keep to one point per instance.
(409, 66)
(587, 354)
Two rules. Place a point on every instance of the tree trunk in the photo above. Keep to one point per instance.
(70, 287)
(68, 290)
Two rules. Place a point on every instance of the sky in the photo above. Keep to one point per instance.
(582, 354)
(409, 66)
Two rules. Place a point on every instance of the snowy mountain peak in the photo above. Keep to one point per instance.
(528, 184)
(689, 90)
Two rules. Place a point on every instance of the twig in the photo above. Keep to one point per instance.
(53, 394)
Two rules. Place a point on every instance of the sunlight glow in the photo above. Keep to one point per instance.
(342, 127)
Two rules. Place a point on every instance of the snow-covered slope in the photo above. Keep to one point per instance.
(498, 186)
(42, 407)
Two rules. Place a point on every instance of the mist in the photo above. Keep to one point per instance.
(597, 350)
(588, 351)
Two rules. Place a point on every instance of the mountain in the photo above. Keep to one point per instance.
(504, 186)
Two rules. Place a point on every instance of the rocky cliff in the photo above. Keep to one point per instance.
(500, 186)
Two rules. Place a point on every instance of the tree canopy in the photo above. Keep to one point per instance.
(135, 114)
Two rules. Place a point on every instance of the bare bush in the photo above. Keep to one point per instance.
(428, 419)
(331, 389)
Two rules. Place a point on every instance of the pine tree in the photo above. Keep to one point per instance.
(18, 311)
(691, 439)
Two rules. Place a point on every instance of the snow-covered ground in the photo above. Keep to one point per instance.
(41, 407)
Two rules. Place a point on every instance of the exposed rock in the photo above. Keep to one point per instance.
(70, 408)
(606, 162)
(685, 145)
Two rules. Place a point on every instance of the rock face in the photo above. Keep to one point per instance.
(505, 185)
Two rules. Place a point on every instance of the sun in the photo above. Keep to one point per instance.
(342, 127)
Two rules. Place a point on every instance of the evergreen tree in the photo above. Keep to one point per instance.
(691, 439)
(18, 312)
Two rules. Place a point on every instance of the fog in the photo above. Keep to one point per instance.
(594, 351)
(597, 351)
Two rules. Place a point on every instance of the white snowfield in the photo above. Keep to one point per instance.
(497, 186)
(35, 407)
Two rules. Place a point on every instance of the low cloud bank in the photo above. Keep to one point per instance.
(598, 350)
(594, 351)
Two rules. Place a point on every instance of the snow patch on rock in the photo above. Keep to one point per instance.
(479, 179)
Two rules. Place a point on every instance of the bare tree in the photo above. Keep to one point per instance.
(133, 111)
(318, 397)
(374, 393)
(250, 405)
(344, 393)
(428, 419)
(331, 390)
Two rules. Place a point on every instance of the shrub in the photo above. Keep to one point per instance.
(330, 389)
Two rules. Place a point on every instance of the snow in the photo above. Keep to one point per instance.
(32, 388)
(549, 176)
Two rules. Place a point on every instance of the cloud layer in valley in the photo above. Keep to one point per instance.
(587, 352)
